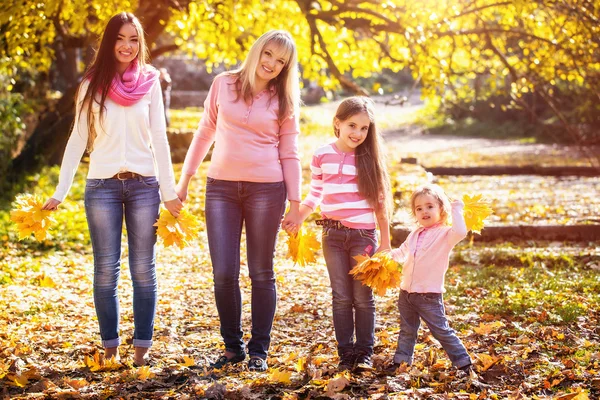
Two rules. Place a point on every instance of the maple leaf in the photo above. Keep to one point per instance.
(144, 373)
(303, 246)
(280, 376)
(76, 383)
(177, 231)
(475, 212)
(338, 383)
(486, 329)
(29, 217)
(46, 281)
(188, 361)
(487, 361)
(379, 272)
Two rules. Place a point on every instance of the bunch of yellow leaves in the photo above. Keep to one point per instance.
(303, 246)
(30, 218)
(379, 272)
(475, 212)
(177, 231)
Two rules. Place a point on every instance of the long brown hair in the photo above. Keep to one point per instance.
(102, 70)
(286, 84)
(373, 179)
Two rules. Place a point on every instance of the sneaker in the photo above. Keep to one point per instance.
(467, 369)
(364, 361)
(257, 364)
(347, 361)
(223, 360)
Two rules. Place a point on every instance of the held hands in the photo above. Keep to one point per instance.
(51, 204)
(182, 190)
(174, 206)
(292, 222)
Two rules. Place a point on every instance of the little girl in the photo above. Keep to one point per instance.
(350, 181)
(425, 254)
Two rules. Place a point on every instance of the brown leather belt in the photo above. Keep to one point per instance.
(126, 175)
(331, 223)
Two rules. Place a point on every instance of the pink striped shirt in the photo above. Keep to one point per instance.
(250, 143)
(334, 186)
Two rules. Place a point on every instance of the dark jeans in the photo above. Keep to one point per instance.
(430, 307)
(106, 202)
(353, 303)
(260, 207)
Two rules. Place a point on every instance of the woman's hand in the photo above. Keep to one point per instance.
(182, 187)
(292, 222)
(174, 206)
(51, 204)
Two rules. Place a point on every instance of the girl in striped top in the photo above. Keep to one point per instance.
(351, 184)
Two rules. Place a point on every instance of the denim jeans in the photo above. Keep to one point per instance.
(107, 201)
(353, 303)
(429, 307)
(259, 207)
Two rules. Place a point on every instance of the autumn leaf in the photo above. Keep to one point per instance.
(76, 383)
(475, 212)
(177, 231)
(29, 217)
(144, 373)
(379, 272)
(188, 361)
(280, 376)
(46, 281)
(486, 329)
(303, 246)
(338, 383)
(487, 361)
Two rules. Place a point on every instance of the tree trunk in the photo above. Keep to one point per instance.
(49, 139)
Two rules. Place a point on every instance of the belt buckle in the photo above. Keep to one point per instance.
(119, 175)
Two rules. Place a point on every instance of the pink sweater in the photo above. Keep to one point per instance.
(425, 265)
(250, 143)
(335, 184)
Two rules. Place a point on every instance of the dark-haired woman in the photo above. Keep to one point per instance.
(120, 121)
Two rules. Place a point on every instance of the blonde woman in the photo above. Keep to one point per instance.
(251, 116)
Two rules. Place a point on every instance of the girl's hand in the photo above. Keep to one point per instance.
(457, 202)
(383, 249)
(51, 204)
(174, 206)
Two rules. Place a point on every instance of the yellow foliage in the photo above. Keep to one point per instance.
(338, 383)
(188, 361)
(177, 231)
(76, 383)
(144, 373)
(486, 329)
(279, 376)
(97, 362)
(379, 272)
(30, 218)
(302, 248)
(475, 212)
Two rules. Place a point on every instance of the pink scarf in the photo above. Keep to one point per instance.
(134, 84)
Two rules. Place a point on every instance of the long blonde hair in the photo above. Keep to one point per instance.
(286, 84)
(102, 70)
(371, 168)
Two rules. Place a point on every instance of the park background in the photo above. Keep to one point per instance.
(499, 98)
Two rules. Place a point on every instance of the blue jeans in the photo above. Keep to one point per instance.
(107, 201)
(430, 307)
(260, 207)
(353, 303)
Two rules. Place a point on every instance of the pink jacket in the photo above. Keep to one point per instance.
(425, 268)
